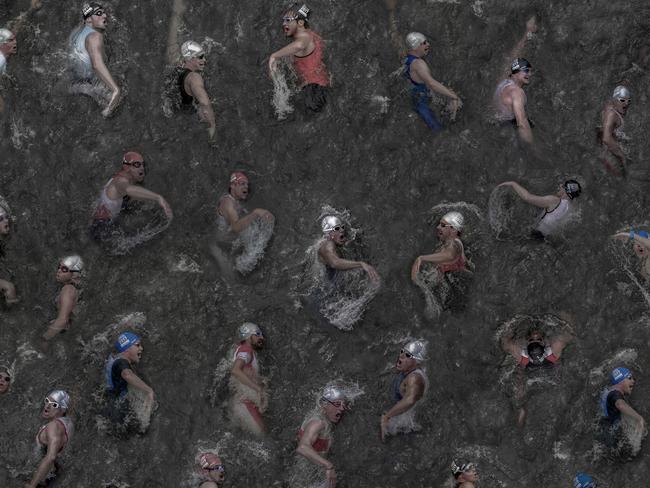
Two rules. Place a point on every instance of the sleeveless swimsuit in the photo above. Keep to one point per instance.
(551, 221)
(81, 65)
(246, 353)
(399, 378)
(67, 427)
(186, 98)
(420, 97)
(457, 264)
(311, 68)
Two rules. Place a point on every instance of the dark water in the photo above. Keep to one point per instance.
(389, 172)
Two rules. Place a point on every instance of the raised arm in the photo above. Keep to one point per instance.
(518, 49)
(290, 49)
(173, 53)
(329, 256)
(560, 342)
(206, 113)
(545, 201)
(141, 193)
(95, 48)
(511, 347)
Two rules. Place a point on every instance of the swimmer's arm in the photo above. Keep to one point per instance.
(330, 257)
(95, 47)
(420, 67)
(236, 223)
(238, 372)
(608, 136)
(523, 126)
(54, 434)
(559, 343)
(414, 390)
(290, 49)
(8, 290)
(447, 254)
(545, 201)
(305, 448)
(134, 380)
(511, 347)
(68, 299)
(141, 193)
(531, 28)
(627, 410)
(198, 91)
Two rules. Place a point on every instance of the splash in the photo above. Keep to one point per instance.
(281, 94)
(625, 262)
(120, 243)
(252, 240)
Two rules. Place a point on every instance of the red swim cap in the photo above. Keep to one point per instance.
(132, 156)
(208, 460)
(238, 176)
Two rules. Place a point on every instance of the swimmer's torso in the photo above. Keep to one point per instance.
(457, 264)
(399, 385)
(3, 64)
(81, 64)
(222, 225)
(186, 98)
(618, 131)
(108, 208)
(323, 442)
(551, 221)
(502, 102)
(415, 86)
(310, 67)
(67, 427)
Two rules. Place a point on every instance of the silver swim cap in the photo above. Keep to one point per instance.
(329, 223)
(60, 397)
(191, 49)
(417, 349)
(414, 39)
(5, 34)
(333, 393)
(621, 92)
(248, 329)
(455, 219)
(73, 263)
(460, 467)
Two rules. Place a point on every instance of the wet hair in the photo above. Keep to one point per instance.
(294, 9)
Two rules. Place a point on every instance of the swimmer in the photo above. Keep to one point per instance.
(191, 84)
(8, 48)
(90, 75)
(7, 288)
(465, 474)
(315, 435)
(556, 207)
(450, 255)
(584, 481)
(120, 375)
(611, 134)
(509, 97)
(232, 217)
(538, 353)
(249, 393)
(53, 437)
(212, 470)
(409, 386)
(126, 184)
(615, 403)
(306, 51)
(334, 236)
(5, 380)
(417, 71)
(640, 240)
(68, 273)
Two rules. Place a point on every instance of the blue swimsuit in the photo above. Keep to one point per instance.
(420, 97)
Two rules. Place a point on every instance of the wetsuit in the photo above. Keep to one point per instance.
(82, 67)
(187, 100)
(106, 212)
(246, 353)
(313, 74)
(551, 221)
(116, 388)
(420, 97)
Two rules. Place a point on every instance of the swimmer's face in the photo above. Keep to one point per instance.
(334, 410)
(337, 236)
(289, 24)
(217, 476)
(523, 76)
(5, 382)
(239, 189)
(9, 46)
(4, 225)
(405, 361)
(627, 385)
(98, 20)
(136, 169)
(536, 337)
(445, 231)
(134, 353)
(621, 104)
(257, 341)
(49, 410)
(64, 274)
(470, 475)
(423, 49)
(639, 250)
(196, 63)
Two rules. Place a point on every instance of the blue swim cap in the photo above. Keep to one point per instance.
(126, 340)
(583, 481)
(619, 374)
(643, 233)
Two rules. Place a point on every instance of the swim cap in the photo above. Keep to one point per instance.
(73, 263)
(417, 349)
(520, 64)
(330, 222)
(60, 397)
(5, 34)
(455, 219)
(641, 233)
(303, 12)
(191, 49)
(89, 9)
(619, 374)
(583, 481)
(333, 393)
(132, 156)
(248, 329)
(126, 340)
(208, 460)
(460, 467)
(572, 188)
(238, 176)
(536, 352)
(414, 39)
(621, 92)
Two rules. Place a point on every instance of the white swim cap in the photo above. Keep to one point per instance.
(414, 39)
(248, 329)
(455, 219)
(329, 223)
(60, 397)
(5, 34)
(191, 49)
(333, 393)
(621, 92)
(73, 263)
(417, 349)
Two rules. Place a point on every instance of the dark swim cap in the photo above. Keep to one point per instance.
(89, 9)
(520, 64)
(572, 188)
(536, 352)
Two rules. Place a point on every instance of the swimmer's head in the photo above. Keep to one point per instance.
(212, 467)
(468, 471)
(333, 229)
(334, 403)
(94, 15)
(69, 269)
(622, 92)
(5, 218)
(5, 379)
(521, 70)
(584, 481)
(412, 354)
(295, 16)
(126, 340)
(7, 42)
(417, 43)
(56, 403)
(640, 250)
(572, 189)
(193, 56)
(133, 163)
(621, 98)
(453, 219)
(239, 185)
(249, 330)
(620, 374)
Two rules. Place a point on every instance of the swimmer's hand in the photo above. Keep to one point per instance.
(273, 65)
(330, 474)
(623, 236)
(166, 208)
(112, 104)
(36, 4)
(415, 269)
(453, 107)
(372, 273)
(264, 214)
(384, 427)
(211, 132)
(262, 400)
(531, 25)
